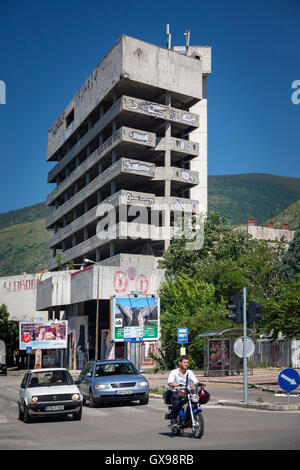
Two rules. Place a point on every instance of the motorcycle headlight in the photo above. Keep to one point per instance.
(142, 384)
(34, 399)
(75, 396)
(195, 398)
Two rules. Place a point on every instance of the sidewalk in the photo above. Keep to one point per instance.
(262, 379)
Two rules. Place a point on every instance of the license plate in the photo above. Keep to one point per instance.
(125, 392)
(55, 408)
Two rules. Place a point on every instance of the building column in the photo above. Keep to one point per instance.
(167, 194)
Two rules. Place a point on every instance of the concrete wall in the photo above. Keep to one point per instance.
(98, 85)
(268, 233)
(18, 293)
(55, 291)
(161, 68)
(122, 275)
(136, 61)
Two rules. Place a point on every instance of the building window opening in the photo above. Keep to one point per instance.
(70, 118)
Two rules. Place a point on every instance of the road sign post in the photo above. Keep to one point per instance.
(288, 380)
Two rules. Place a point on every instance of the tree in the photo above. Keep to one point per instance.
(290, 263)
(199, 283)
(188, 302)
(9, 333)
(281, 313)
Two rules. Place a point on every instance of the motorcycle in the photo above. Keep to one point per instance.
(190, 415)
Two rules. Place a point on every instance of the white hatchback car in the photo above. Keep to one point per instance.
(45, 392)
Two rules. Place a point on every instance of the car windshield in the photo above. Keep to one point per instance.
(115, 368)
(48, 378)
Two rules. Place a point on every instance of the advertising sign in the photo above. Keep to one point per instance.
(43, 335)
(135, 318)
(219, 354)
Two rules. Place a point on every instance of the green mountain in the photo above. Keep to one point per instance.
(256, 195)
(24, 248)
(24, 238)
(290, 216)
(27, 214)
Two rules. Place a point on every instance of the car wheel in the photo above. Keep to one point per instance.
(144, 401)
(77, 416)
(92, 400)
(26, 416)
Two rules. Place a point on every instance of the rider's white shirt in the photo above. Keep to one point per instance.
(176, 378)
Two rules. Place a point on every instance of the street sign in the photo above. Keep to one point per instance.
(182, 335)
(239, 347)
(288, 379)
(133, 333)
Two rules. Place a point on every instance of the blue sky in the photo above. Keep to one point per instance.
(49, 48)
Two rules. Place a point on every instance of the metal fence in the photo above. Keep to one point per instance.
(277, 353)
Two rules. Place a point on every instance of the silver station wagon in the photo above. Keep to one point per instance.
(45, 392)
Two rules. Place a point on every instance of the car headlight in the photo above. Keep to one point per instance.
(142, 384)
(75, 396)
(34, 399)
(102, 386)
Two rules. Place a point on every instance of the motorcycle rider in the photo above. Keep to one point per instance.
(177, 377)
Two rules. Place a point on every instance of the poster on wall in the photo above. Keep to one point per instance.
(135, 318)
(43, 335)
(219, 354)
(78, 329)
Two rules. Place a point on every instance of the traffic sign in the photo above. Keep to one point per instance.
(288, 379)
(182, 335)
(239, 347)
(28, 350)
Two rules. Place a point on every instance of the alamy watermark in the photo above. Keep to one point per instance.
(2, 92)
(295, 97)
(138, 222)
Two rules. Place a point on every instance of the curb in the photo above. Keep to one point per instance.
(260, 406)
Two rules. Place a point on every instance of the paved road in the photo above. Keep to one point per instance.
(144, 427)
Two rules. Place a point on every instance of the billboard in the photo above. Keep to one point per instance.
(43, 335)
(135, 318)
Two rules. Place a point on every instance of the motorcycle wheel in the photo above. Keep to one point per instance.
(199, 421)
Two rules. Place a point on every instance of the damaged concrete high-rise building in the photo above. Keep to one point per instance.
(130, 153)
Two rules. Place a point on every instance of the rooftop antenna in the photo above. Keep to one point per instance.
(168, 37)
(187, 40)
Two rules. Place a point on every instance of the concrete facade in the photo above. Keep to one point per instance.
(130, 153)
(19, 294)
(269, 233)
(135, 133)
